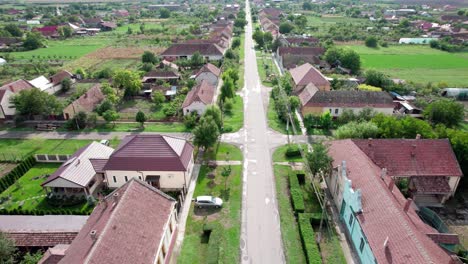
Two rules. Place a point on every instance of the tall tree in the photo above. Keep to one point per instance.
(445, 111)
(36, 102)
(197, 59)
(111, 116)
(227, 89)
(33, 41)
(14, 30)
(7, 249)
(216, 114)
(206, 133)
(127, 80)
(318, 159)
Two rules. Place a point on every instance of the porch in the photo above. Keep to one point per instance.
(430, 191)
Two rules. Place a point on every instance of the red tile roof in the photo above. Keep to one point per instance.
(160, 75)
(209, 68)
(346, 98)
(306, 73)
(310, 51)
(151, 153)
(412, 157)
(443, 238)
(17, 86)
(60, 76)
(54, 255)
(89, 100)
(431, 185)
(42, 239)
(383, 216)
(129, 225)
(202, 92)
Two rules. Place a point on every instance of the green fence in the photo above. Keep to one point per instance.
(431, 218)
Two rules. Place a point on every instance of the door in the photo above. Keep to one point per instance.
(154, 180)
(343, 208)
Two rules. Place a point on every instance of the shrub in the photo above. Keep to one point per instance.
(308, 240)
(296, 194)
(292, 151)
(300, 176)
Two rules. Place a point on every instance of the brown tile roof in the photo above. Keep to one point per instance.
(308, 51)
(202, 92)
(89, 100)
(210, 68)
(60, 76)
(42, 239)
(431, 185)
(412, 157)
(306, 74)
(151, 153)
(444, 238)
(159, 74)
(108, 24)
(17, 86)
(129, 225)
(9, 41)
(301, 41)
(291, 61)
(307, 93)
(344, 98)
(54, 255)
(205, 49)
(383, 216)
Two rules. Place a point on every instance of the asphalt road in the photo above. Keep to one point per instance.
(260, 232)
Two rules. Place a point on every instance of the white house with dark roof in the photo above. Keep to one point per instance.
(162, 161)
(200, 97)
(209, 73)
(7, 110)
(81, 174)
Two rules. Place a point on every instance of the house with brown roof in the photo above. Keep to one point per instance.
(17, 86)
(201, 96)
(82, 174)
(298, 41)
(86, 103)
(316, 102)
(153, 76)
(209, 51)
(307, 74)
(309, 54)
(136, 223)
(34, 232)
(162, 161)
(381, 224)
(7, 43)
(209, 73)
(7, 109)
(56, 79)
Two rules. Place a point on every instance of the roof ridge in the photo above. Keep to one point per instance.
(397, 209)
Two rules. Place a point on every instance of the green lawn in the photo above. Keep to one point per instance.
(420, 64)
(279, 154)
(275, 123)
(68, 49)
(194, 249)
(289, 229)
(135, 127)
(26, 147)
(240, 83)
(220, 152)
(28, 189)
(115, 64)
(235, 121)
(266, 66)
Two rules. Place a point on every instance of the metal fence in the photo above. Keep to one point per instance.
(431, 218)
(51, 158)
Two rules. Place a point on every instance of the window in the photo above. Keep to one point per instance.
(361, 246)
(331, 110)
(115, 180)
(336, 111)
(139, 177)
(126, 179)
(351, 220)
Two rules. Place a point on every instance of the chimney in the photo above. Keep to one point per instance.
(369, 142)
(413, 150)
(385, 244)
(383, 173)
(391, 184)
(418, 136)
(408, 203)
(93, 235)
(115, 198)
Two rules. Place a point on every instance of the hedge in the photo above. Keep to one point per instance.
(23, 167)
(307, 234)
(212, 256)
(297, 198)
(292, 151)
(300, 176)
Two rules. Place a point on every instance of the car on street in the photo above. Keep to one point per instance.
(208, 201)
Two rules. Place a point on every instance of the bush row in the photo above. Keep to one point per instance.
(296, 194)
(16, 211)
(308, 240)
(16, 173)
(292, 151)
(212, 256)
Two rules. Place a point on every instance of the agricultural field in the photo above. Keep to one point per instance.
(420, 64)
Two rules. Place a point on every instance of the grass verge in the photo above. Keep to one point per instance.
(222, 151)
(280, 154)
(195, 245)
(234, 121)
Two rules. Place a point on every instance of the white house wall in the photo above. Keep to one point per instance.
(8, 109)
(168, 179)
(207, 76)
(333, 110)
(196, 106)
